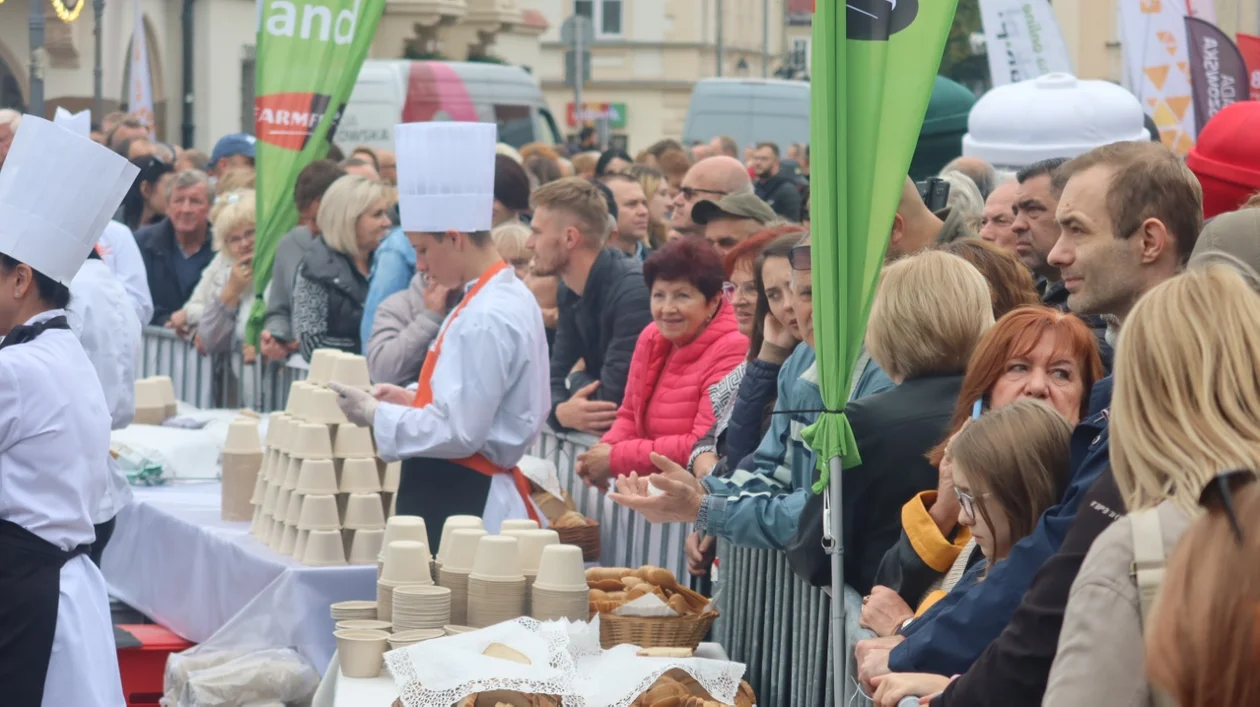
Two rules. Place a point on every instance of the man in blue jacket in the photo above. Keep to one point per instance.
(1130, 214)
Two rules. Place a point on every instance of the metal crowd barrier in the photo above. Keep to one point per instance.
(771, 621)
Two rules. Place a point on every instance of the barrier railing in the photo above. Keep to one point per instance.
(771, 621)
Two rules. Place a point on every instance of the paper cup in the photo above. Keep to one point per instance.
(312, 442)
(295, 406)
(453, 630)
(288, 541)
(364, 512)
(366, 546)
(149, 394)
(273, 434)
(299, 547)
(317, 477)
(391, 476)
(353, 442)
(324, 548)
(323, 408)
(319, 513)
(561, 569)
(242, 436)
(532, 543)
(405, 528)
(281, 510)
(293, 515)
(351, 370)
(518, 524)
(359, 476)
(407, 561)
(451, 525)
(461, 549)
(260, 491)
(498, 557)
(321, 370)
(361, 652)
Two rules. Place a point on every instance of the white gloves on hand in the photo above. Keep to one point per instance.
(358, 405)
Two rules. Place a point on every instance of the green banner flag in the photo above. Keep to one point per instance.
(308, 58)
(874, 66)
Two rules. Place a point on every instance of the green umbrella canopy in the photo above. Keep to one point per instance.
(943, 128)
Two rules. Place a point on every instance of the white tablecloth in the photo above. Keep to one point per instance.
(210, 581)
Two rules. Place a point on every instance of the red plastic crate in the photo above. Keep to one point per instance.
(144, 668)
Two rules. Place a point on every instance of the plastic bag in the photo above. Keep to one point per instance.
(224, 679)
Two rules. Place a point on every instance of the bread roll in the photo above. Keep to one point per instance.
(679, 604)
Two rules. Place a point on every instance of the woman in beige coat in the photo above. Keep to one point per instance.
(1186, 409)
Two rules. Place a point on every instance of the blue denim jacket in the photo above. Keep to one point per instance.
(393, 265)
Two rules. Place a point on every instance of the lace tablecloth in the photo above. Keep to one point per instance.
(211, 582)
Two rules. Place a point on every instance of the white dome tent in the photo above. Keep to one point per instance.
(1055, 115)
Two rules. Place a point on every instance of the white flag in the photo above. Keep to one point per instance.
(1203, 9)
(1023, 40)
(1157, 65)
(140, 98)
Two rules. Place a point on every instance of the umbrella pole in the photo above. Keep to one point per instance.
(840, 643)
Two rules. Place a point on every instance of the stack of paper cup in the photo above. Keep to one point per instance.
(496, 587)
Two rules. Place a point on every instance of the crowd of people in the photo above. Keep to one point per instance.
(1008, 524)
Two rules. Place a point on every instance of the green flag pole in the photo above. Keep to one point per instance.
(873, 69)
(308, 58)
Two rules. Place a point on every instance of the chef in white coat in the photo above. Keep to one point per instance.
(57, 191)
(484, 391)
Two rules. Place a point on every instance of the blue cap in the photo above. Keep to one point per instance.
(233, 145)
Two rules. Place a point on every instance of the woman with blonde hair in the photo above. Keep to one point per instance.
(659, 206)
(1203, 641)
(332, 282)
(227, 312)
(1186, 410)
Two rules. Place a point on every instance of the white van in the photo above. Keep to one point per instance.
(391, 92)
(749, 110)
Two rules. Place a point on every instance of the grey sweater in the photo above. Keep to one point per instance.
(401, 334)
(283, 274)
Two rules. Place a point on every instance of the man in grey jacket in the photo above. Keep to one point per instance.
(278, 339)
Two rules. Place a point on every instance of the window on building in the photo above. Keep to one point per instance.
(604, 14)
(800, 53)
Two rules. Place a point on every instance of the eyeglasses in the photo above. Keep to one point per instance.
(967, 501)
(1220, 491)
(799, 257)
(730, 289)
(689, 193)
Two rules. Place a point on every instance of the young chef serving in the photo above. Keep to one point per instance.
(483, 394)
(57, 192)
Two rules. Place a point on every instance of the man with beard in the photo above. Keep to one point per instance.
(773, 187)
(603, 302)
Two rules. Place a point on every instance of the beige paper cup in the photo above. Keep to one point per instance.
(452, 524)
(498, 557)
(460, 550)
(317, 477)
(391, 476)
(324, 548)
(295, 406)
(364, 512)
(364, 625)
(366, 546)
(299, 547)
(407, 561)
(288, 542)
(361, 652)
(351, 370)
(322, 361)
(517, 524)
(319, 513)
(561, 569)
(353, 442)
(242, 436)
(532, 543)
(406, 528)
(312, 441)
(294, 513)
(323, 408)
(359, 476)
(273, 430)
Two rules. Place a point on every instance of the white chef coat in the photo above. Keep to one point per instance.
(120, 253)
(491, 386)
(54, 439)
(100, 313)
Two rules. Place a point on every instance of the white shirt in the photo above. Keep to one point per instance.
(121, 254)
(54, 437)
(491, 386)
(100, 313)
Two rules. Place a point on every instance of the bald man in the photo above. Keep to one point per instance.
(389, 166)
(709, 179)
(914, 228)
(980, 171)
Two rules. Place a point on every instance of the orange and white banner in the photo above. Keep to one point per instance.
(1202, 9)
(1157, 66)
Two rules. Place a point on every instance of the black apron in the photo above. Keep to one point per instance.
(436, 489)
(30, 588)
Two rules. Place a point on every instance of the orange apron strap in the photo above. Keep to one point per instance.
(424, 386)
(480, 464)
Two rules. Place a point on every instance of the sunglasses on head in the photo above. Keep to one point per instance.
(799, 257)
(1220, 491)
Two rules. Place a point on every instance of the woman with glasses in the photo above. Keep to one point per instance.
(693, 342)
(1032, 352)
(1009, 466)
(1186, 410)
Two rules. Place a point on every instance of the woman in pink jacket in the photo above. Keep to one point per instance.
(693, 342)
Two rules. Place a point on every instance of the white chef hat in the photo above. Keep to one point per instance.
(57, 193)
(78, 123)
(445, 176)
